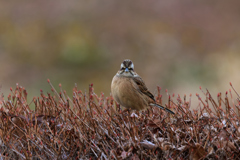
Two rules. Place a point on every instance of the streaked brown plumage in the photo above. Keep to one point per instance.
(130, 91)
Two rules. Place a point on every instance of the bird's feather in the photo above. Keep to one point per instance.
(161, 107)
(142, 87)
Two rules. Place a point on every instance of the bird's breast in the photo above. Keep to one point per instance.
(120, 87)
(126, 94)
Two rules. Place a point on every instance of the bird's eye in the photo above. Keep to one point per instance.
(130, 69)
(122, 68)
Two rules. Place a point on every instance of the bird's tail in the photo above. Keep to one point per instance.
(161, 107)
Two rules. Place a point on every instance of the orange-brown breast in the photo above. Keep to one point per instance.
(125, 93)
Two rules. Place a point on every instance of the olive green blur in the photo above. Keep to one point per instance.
(178, 45)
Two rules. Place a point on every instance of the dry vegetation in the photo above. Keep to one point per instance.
(88, 126)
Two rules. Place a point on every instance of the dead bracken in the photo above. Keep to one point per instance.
(88, 126)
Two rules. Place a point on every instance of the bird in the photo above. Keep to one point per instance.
(130, 91)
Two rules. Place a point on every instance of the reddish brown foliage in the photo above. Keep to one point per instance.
(88, 126)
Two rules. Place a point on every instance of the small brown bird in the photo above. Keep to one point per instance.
(129, 90)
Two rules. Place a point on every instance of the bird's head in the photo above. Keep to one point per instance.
(127, 68)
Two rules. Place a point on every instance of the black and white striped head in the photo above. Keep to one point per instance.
(127, 68)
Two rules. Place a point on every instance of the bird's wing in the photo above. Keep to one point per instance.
(142, 88)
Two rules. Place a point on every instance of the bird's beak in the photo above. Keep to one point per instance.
(126, 70)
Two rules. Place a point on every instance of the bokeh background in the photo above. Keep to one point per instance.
(178, 45)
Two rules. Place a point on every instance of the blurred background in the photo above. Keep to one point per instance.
(178, 45)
